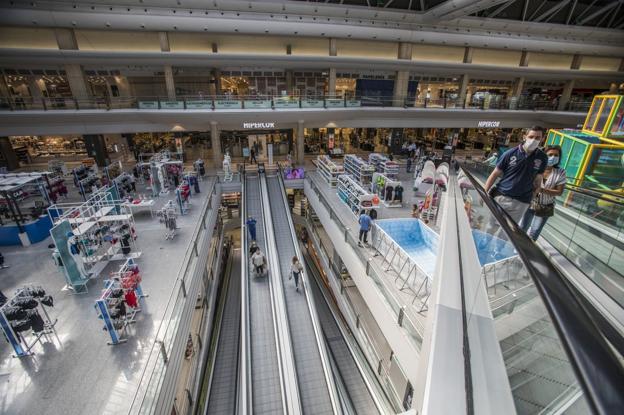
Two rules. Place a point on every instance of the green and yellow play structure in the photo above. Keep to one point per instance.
(594, 156)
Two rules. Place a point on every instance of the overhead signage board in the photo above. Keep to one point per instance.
(172, 105)
(488, 124)
(312, 103)
(254, 125)
(228, 104)
(198, 105)
(334, 103)
(286, 103)
(353, 103)
(258, 103)
(148, 105)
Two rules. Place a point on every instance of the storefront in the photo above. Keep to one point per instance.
(41, 149)
(238, 143)
(488, 93)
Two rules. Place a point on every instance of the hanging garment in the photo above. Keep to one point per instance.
(389, 190)
(13, 313)
(131, 299)
(48, 300)
(25, 303)
(36, 322)
(398, 193)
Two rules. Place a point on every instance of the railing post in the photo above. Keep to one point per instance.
(76, 103)
(43, 103)
(346, 234)
(195, 249)
(163, 351)
(368, 267)
(401, 316)
(444, 101)
(183, 287)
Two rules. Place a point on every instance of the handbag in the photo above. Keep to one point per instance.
(542, 211)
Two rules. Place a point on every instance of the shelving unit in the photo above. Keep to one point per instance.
(329, 170)
(379, 186)
(359, 169)
(383, 165)
(354, 195)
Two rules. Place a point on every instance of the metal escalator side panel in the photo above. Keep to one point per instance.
(287, 248)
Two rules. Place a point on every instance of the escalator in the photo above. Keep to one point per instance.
(317, 391)
(223, 380)
(260, 382)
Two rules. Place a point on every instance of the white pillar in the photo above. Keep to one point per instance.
(331, 86)
(169, 84)
(77, 81)
(463, 85)
(300, 143)
(34, 86)
(565, 95)
(216, 143)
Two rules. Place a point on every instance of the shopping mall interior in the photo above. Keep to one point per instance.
(292, 207)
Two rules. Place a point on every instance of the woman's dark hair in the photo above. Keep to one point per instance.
(557, 149)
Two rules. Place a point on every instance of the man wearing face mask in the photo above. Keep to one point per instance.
(520, 170)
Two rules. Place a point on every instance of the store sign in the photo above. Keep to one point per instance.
(228, 104)
(488, 124)
(148, 105)
(197, 105)
(334, 103)
(251, 104)
(172, 105)
(286, 103)
(312, 103)
(353, 103)
(252, 125)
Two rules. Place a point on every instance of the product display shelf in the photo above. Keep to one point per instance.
(354, 195)
(384, 165)
(329, 170)
(359, 169)
(380, 185)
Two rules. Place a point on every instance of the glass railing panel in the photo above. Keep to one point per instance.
(537, 366)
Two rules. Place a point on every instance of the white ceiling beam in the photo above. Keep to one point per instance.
(571, 12)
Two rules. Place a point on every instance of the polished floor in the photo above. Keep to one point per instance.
(76, 372)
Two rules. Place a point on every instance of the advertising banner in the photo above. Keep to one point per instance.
(228, 104)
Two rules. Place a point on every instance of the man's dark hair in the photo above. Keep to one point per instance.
(536, 128)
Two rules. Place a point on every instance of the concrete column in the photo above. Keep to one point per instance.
(35, 85)
(96, 148)
(565, 95)
(169, 84)
(163, 37)
(524, 58)
(468, 54)
(216, 144)
(77, 81)
(300, 143)
(577, 61)
(66, 39)
(463, 85)
(8, 158)
(401, 79)
(333, 49)
(331, 84)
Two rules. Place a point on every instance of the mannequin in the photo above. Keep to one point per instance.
(161, 179)
(227, 169)
(74, 249)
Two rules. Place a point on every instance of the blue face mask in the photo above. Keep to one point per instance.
(552, 160)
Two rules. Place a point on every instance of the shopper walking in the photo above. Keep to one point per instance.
(408, 166)
(252, 156)
(543, 204)
(259, 261)
(365, 224)
(295, 271)
(251, 227)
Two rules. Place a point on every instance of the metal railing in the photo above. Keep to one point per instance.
(151, 382)
(255, 102)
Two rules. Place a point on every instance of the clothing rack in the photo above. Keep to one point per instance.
(385, 188)
(21, 346)
(168, 216)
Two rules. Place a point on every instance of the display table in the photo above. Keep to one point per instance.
(145, 204)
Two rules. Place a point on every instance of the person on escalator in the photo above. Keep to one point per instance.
(253, 248)
(259, 261)
(296, 269)
(251, 227)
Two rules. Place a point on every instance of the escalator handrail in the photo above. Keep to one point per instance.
(244, 397)
(602, 195)
(333, 392)
(597, 369)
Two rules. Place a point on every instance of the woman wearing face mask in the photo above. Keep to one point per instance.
(543, 204)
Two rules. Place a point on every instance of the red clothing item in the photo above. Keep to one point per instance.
(131, 299)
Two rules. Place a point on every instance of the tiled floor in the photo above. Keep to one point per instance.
(76, 372)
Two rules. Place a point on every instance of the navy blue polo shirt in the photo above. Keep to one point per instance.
(519, 171)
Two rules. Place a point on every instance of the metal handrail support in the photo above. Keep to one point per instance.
(333, 392)
(289, 382)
